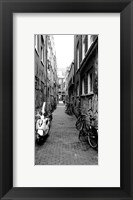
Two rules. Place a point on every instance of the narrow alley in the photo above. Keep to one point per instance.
(63, 147)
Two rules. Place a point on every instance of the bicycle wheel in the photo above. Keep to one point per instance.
(93, 138)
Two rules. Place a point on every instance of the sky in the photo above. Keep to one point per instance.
(64, 46)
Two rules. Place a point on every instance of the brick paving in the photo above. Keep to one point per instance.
(63, 147)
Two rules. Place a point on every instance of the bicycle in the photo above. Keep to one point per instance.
(68, 109)
(81, 119)
(88, 131)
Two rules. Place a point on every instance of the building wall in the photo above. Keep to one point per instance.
(40, 73)
(45, 72)
(61, 88)
(70, 80)
(61, 84)
(77, 41)
(66, 84)
(88, 70)
(90, 101)
(52, 73)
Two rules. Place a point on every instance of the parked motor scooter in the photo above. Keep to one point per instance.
(43, 123)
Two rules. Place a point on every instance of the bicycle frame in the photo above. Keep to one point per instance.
(88, 130)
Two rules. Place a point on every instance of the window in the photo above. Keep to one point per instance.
(87, 83)
(42, 54)
(89, 41)
(84, 46)
(93, 37)
(77, 56)
(77, 89)
(60, 81)
(83, 86)
(36, 43)
(90, 82)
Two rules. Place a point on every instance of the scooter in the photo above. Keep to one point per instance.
(43, 124)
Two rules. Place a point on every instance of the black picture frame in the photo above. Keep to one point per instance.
(7, 8)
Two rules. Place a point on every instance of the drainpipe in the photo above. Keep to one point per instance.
(46, 70)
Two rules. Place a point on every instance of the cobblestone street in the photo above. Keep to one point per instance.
(63, 147)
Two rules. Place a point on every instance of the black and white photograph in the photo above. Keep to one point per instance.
(66, 99)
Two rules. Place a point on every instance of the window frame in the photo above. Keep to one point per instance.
(37, 43)
(77, 56)
(91, 84)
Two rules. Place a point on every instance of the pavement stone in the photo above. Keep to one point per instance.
(63, 147)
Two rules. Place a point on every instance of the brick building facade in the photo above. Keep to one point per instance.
(52, 79)
(83, 90)
(61, 84)
(40, 70)
(46, 81)
(70, 83)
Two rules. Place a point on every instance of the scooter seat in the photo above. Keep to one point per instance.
(40, 132)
